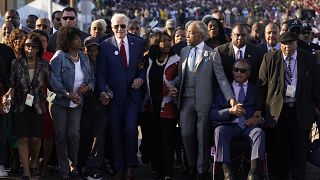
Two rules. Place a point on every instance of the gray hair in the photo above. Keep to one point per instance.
(119, 16)
(202, 28)
(102, 22)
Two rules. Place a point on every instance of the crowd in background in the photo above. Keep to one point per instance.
(74, 98)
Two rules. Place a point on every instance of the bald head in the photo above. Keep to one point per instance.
(271, 33)
(43, 24)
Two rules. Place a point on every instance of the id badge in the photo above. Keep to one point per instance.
(291, 91)
(29, 100)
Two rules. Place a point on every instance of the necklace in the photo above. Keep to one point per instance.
(74, 57)
(163, 62)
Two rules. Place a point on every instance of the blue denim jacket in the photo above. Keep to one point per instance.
(62, 75)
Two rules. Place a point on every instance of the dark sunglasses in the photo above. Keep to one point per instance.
(241, 70)
(10, 17)
(68, 17)
(42, 25)
(122, 26)
(57, 19)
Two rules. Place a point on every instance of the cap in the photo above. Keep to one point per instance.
(294, 25)
(91, 41)
(170, 23)
(288, 36)
(306, 26)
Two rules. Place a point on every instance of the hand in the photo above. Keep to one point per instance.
(173, 91)
(237, 110)
(254, 120)
(8, 96)
(233, 102)
(83, 89)
(74, 97)
(104, 98)
(137, 83)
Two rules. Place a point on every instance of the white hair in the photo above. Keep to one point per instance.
(119, 16)
(102, 22)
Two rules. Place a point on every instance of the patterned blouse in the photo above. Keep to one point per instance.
(20, 82)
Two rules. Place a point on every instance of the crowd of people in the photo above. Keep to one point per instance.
(192, 86)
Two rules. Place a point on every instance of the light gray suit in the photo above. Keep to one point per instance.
(194, 111)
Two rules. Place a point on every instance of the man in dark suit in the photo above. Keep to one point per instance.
(271, 34)
(240, 48)
(288, 93)
(120, 68)
(69, 18)
(307, 36)
(237, 121)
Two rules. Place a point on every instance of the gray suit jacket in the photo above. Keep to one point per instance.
(206, 68)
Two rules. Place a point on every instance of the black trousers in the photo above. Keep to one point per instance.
(162, 142)
(287, 146)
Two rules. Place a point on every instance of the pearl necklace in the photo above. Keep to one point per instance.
(75, 57)
(162, 63)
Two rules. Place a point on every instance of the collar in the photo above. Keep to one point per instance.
(294, 55)
(125, 40)
(243, 49)
(245, 84)
(277, 46)
(200, 45)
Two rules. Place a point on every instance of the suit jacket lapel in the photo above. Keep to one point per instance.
(249, 92)
(184, 57)
(248, 53)
(204, 54)
(131, 52)
(231, 52)
(280, 69)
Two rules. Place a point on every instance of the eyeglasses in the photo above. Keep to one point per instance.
(42, 25)
(241, 70)
(122, 26)
(68, 17)
(57, 19)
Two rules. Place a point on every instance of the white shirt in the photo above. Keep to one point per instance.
(126, 46)
(294, 71)
(235, 50)
(78, 80)
(236, 90)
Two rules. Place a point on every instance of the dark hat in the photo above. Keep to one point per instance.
(306, 26)
(288, 36)
(88, 41)
(294, 25)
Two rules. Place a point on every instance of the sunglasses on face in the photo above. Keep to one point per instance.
(57, 19)
(42, 25)
(122, 26)
(68, 17)
(31, 46)
(241, 70)
(10, 17)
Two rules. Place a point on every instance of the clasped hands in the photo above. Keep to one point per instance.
(238, 110)
(75, 96)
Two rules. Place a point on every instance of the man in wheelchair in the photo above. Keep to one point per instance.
(238, 121)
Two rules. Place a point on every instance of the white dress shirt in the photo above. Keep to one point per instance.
(235, 50)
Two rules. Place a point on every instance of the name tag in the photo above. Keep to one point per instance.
(29, 100)
(291, 91)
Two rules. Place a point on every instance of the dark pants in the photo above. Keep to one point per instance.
(123, 121)
(66, 123)
(287, 146)
(3, 140)
(162, 141)
(98, 119)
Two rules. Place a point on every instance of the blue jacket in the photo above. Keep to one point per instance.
(219, 111)
(111, 73)
(62, 75)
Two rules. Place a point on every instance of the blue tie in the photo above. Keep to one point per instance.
(241, 98)
(192, 59)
